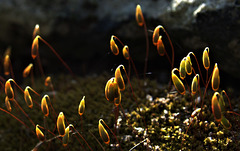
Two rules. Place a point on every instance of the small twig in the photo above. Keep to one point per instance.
(138, 144)
(49, 140)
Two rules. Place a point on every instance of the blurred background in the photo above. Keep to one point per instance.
(80, 31)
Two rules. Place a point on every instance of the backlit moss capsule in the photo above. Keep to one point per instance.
(156, 35)
(205, 58)
(81, 107)
(39, 133)
(8, 105)
(103, 133)
(44, 105)
(119, 78)
(6, 65)
(160, 46)
(9, 90)
(215, 78)
(182, 71)
(61, 124)
(125, 52)
(188, 65)
(27, 70)
(177, 82)
(27, 97)
(195, 82)
(225, 122)
(65, 138)
(36, 31)
(35, 47)
(139, 15)
(48, 81)
(112, 90)
(216, 109)
(113, 46)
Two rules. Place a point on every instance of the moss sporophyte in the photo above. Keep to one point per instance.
(58, 112)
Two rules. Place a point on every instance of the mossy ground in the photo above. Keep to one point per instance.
(164, 113)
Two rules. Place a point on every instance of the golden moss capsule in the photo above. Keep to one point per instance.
(205, 58)
(6, 65)
(48, 81)
(44, 105)
(160, 46)
(81, 107)
(215, 78)
(103, 133)
(36, 31)
(139, 15)
(39, 133)
(35, 47)
(112, 90)
(188, 65)
(216, 109)
(61, 124)
(182, 71)
(27, 97)
(125, 52)
(195, 82)
(225, 122)
(65, 138)
(178, 83)
(27, 70)
(9, 90)
(113, 46)
(155, 37)
(119, 78)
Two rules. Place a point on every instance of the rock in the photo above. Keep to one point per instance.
(80, 31)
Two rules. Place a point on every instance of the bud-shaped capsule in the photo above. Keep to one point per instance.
(36, 31)
(205, 58)
(65, 138)
(119, 78)
(39, 133)
(225, 122)
(27, 97)
(103, 133)
(188, 65)
(182, 71)
(139, 15)
(156, 35)
(160, 46)
(48, 81)
(113, 46)
(35, 47)
(27, 70)
(112, 90)
(216, 109)
(215, 78)
(61, 124)
(126, 52)
(195, 82)
(44, 105)
(81, 107)
(177, 82)
(9, 90)
(6, 65)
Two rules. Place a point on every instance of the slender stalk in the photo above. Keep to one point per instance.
(97, 140)
(58, 56)
(147, 47)
(113, 134)
(16, 119)
(138, 144)
(24, 112)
